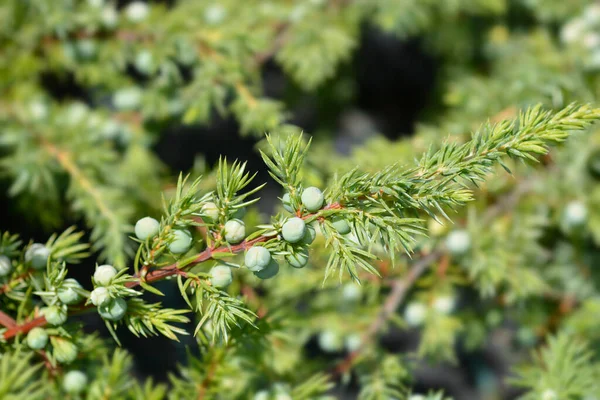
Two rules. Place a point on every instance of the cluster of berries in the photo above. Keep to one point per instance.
(69, 292)
(110, 307)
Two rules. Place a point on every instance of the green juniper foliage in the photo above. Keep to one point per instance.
(456, 236)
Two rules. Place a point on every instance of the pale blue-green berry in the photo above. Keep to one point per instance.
(182, 241)
(146, 227)
(299, 259)
(144, 62)
(96, 3)
(353, 342)
(211, 211)
(68, 291)
(38, 110)
(185, 52)
(76, 113)
(109, 17)
(415, 313)
(74, 382)
(352, 292)
(176, 107)
(309, 235)
(575, 214)
(312, 198)
(417, 397)
(215, 14)
(293, 230)
(261, 395)
(104, 274)
(287, 203)
(220, 276)
(257, 258)
(282, 396)
(269, 271)
(37, 255)
(526, 337)
(235, 231)
(127, 98)
(99, 296)
(86, 48)
(55, 315)
(341, 225)
(330, 341)
(37, 338)
(444, 304)
(5, 266)
(137, 11)
(549, 394)
(458, 242)
(64, 350)
(111, 130)
(113, 310)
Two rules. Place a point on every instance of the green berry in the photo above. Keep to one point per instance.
(144, 63)
(261, 395)
(146, 227)
(210, 211)
(575, 214)
(458, 242)
(340, 225)
(74, 382)
(55, 315)
(257, 258)
(76, 113)
(104, 274)
(269, 271)
(128, 98)
(68, 291)
(309, 235)
(220, 276)
(444, 304)
(293, 229)
(137, 11)
(235, 231)
(86, 49)
(549, 394)
(215, 14)
(37, 255)
(113, 310)
(287, 203)
(99, 296)
(182, 241)
(415, 313)
(37, 338)
(109, 17)
(330, 341)
(353, 342)
(5, 266)
(351, 292)
(65, 351)
(38, 110)
(299, 259)
(313, 199)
